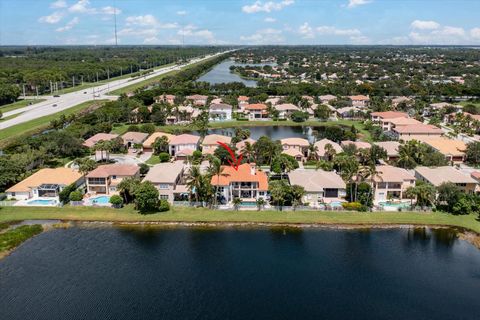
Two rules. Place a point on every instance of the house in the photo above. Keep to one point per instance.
(326, 99)
(182, 114)
(257, 111)
(389, 124)
(220, 112)
(398, 100)
(349, 113)
(285, 110)
(295, 147)
(434, 107)
(132, 138)
(453, 117)
(105, 178)
(210, 142)
(240, 146)
(148, 143)
(274, 100)
(391, 183)
(242, 100)
(358, 144)
(165, 98)
(166, 177)
(359, 101)
(383, 118)
(45, 183)
(198, 100)
(391, 147)
(420, 132)
(183, 145)
(93, 140)
(438, 175)
(321, 144)
(320, 186)
(246, 183)
(453, 150)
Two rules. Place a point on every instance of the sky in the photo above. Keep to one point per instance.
(239, 22)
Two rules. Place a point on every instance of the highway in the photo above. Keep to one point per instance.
(68, 100)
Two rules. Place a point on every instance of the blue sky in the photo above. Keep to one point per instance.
(61, 22)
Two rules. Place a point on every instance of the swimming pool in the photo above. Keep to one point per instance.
(42, 202)
(100, 200)
(394, 205)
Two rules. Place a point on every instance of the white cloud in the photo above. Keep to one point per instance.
(265, 36)
(83, 6)
(110, 10)
(148, 21)
(356, 3)
(69, 25)
(259, 6)
(329, 30)
(151, 40)
(475, 33)
(425, 25)
(182, 12)
(58, 4)
(199, 35)
(270, 19)
(52, 19)
(306, 31)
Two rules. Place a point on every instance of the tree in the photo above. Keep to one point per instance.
(215, 170)
(163, 206)
(312, 151)
(75, 196)
(85, 165)
(260, 202)
(425, 193)
(64, 195)
(448, 195)
(160, 145)
(297, 193)
(278, 191)
(194, 182)
(299, 116)
(127, 187)
(116, 201)
(237, 202)
(164, 157)
(473, 153)
(284, 163)
(322, 112)
(146, 198)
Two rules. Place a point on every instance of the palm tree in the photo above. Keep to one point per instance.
(248, 151)
(297, 194)
(312, 152)
(260, 203)
(410, 193)
(215, 169)
(127, 187)
(236, 203)
(194, 181)
(329, 151)
(85, 165)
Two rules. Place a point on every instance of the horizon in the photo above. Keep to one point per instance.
(249, 22)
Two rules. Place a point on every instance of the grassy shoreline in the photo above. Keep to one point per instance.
(11, 239)
(204, 215)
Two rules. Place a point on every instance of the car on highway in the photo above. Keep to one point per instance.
(54, 105)
(56, 96)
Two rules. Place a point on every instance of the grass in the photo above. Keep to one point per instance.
(13, 238)
(18, 104)
(39, 124)
(153, 160)
(185, 214)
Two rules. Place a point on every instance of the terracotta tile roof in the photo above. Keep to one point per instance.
(359, 98)
(389, 114)
(184, 139)
(212, 139)
(243, 174)
(61, 176)
(240, 145)
(439, 175)
(220, 106)
(392, 174)
(164, 172)
(107, 170)
(418, 128)
(316, 180)
(448, 146)
(358, 144)
(135, 137)
(151, 139)
(403, 121)
(256, 106)
(390, 146)
(185, 152)
(293, 152)
(197, 97)
(286, 107)
(327, 97)
(243, 98)
(90, 142)
(295, 142)
(321, 147)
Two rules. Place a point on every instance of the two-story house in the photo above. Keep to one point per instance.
(105, 178)
(166, 177)
(390, 183)
(295, 147)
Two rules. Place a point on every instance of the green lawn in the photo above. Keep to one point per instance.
(14, 237)
(39, 124)
(183, 214)
(18, 104)
(153, 160)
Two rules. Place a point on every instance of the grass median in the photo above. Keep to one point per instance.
(19, 104)
(185, 214)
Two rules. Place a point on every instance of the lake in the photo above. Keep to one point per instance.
(280, 273)
(221, 74)
(275, 133)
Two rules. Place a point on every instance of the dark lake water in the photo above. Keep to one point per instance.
(221, 74)
(274, 133)
(115, 273)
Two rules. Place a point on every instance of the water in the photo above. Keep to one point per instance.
(221, 74)
(42, 202)
(275, 133)
(110, 273)
(100, 200)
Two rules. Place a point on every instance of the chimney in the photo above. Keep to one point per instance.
(253, 170)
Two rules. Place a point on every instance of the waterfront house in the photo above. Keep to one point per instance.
(295, 147)
(220, 112)
(389, 124)
(453, 150)
(165, 98)
(240, 146)
(320, 186)
(132, 139)
(390, 183)
(327, 99)
(257, 111)
(93, 140)
(359, 101)
(210, 142)
(148, 143)
(391, 147)
(349, 113)
(285, 110)
(198, 100)
(166, 177)
(183, 145)
(358, 144)
(384, 119)
(420, 132)
(242, 100)
(105, 178)
(438, 175)
(321, 145)
(247, 183)
(45, 183)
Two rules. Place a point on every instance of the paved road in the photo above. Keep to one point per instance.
(72, 99)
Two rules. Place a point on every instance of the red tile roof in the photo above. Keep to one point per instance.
(108, 170)
(243, 174)
(256, 106)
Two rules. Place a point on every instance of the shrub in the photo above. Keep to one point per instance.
(148, 128)
(64, 195)
(164, 157)
(116, 201)
(75, 196)
(144, 168)
(353, 206)
(133, 128)
(164, 206)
